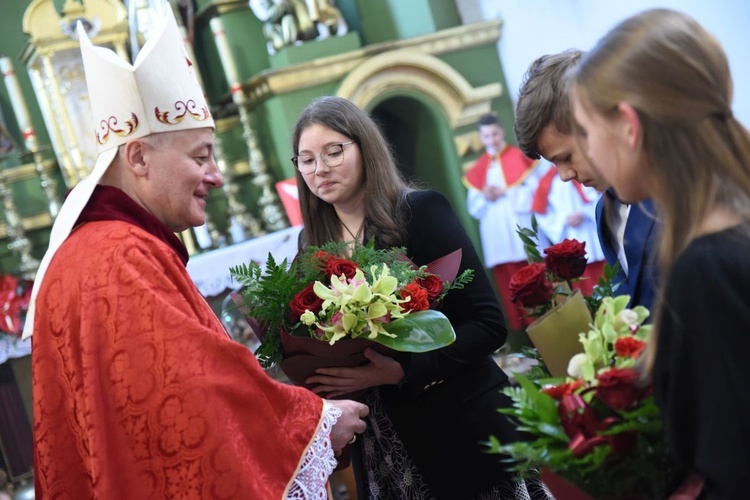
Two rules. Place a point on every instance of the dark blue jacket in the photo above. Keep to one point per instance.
(641, 233)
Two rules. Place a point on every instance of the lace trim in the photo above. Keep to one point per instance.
(311, 483)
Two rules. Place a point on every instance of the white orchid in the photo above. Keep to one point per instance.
(612, 321)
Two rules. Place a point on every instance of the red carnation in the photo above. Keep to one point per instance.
(567, 259)
(323, 257)
(419, 299)
(530, 287)
(629, 347)
(305, 300)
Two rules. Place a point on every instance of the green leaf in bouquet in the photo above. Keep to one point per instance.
(544, 405)
(605, 287)
(418, 332)
(530, 239)
(266, 296)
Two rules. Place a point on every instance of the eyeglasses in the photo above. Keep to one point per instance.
(332, 156)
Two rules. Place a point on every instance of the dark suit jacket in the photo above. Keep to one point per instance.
(640, 250)
(448, 405)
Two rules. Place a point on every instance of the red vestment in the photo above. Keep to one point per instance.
(515, 167)
(138, 391)
(503, 255)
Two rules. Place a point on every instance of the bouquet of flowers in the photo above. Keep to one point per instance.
(548, 280)
(545, 287)
(599, 428)
(307, 310)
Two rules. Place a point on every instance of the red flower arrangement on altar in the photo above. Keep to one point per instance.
(15, 295)
(599, 427)
(323, 309)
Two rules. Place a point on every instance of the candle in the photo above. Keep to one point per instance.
(203, 236)
(17, 102)
(225, 55)
(236, 231)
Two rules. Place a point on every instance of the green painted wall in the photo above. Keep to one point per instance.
(384, 20)
(424, 141)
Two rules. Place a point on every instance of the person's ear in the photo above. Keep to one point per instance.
(631, 124)
(136, 157)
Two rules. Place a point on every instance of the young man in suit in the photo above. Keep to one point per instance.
(544, 127)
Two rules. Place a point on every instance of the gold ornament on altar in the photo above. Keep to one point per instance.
(272, 213)
(288, 22)
(54, 65)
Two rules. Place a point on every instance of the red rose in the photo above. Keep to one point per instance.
(305, 300)
(530, 287)
(419, 299)
(629, 347)
(566, 259)
(432, 284)
(617, 388)
(337, 267)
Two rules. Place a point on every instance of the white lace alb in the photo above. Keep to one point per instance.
(312, 480)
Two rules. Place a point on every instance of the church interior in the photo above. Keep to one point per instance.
(424, 74)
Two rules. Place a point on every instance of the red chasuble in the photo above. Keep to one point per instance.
(138, 391)
(515, 167)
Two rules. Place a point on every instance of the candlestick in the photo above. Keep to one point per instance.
(187, 239)
(48, 184)
(270, 208)
(31, 143)
(19, 243)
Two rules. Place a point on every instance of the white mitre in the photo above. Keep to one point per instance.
(159, 93)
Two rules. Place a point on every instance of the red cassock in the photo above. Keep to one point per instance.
(138, 391)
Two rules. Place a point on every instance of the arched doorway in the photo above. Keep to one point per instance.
(424, 107)
(423, 147)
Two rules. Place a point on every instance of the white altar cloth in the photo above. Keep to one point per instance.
(210, 270)
(11, 346)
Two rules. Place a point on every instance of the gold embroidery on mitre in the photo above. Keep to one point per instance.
(110, 125)
(184, 109)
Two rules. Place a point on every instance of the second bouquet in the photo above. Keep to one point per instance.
(327, 305)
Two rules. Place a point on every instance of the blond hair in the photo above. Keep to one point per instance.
(676, 76)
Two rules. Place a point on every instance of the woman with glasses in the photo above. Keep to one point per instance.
(429, 412)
